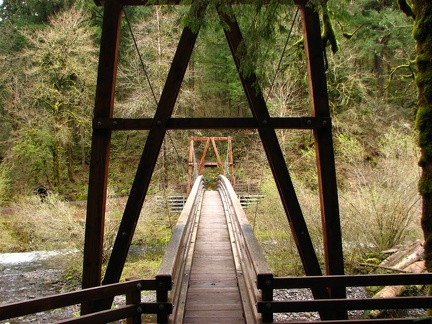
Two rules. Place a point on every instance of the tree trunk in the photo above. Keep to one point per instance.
(422, 27)
(70, 162)
(56, 164)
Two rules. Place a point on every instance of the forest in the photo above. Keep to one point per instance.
(48, 65)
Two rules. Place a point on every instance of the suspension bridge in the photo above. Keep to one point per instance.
(213, 270)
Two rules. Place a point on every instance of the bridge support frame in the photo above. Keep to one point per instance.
(104, 124)
(195, 169)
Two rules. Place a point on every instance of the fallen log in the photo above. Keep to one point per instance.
(404, 256)
(394, 291)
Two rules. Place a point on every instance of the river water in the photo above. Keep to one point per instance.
(29, 275)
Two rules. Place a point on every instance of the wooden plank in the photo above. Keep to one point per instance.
(212, 283)
(219, 294)
(213, 294)
(224, 320)
(211, 314)
(216, 305)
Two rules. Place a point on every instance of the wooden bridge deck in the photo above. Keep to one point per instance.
(213, 295)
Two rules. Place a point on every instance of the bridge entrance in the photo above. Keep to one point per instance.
(329, 288)
(319, 123)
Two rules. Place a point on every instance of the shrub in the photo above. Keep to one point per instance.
(4, 183)
(380, 206)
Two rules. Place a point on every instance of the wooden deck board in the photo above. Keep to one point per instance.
(213, 295)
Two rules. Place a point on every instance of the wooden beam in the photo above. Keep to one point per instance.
(150, 153)
(332, 235)
(274, 154)
(201, 164)
(168, 2)
(213, 123)
(104, 103)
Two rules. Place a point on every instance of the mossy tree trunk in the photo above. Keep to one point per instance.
(421, 11)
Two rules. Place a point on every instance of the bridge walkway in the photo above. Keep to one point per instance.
(213, 295)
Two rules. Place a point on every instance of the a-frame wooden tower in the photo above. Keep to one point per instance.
(104, 124)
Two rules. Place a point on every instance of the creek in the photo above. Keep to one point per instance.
(29, 275)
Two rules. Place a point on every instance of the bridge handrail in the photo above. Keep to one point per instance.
(172, 268)
(132, 289)
(384, 303)
(253, 263)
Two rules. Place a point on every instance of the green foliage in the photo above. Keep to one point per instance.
(378, 209)
(46, 98)
(381, 38)
(4, 183)
(58, 85)
(31, 11)
(35, 153)
(271, 227)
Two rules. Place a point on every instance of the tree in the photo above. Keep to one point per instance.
(31, 11)
(55, 87)
(421, 12)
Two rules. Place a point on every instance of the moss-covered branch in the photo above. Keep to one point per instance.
(328, 35)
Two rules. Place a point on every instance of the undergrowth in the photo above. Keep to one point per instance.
(53, 224)
(379, 202)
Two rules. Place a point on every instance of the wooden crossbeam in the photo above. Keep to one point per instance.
(167, 2)
(213, 123)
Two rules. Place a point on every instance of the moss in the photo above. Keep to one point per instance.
(421, 32)
(422, 28)
(428, 250)
(422, 10)
(425, 186)
(329, 35)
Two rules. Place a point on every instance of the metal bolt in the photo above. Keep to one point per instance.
(268, 282)
(161, 306)
(158, 123)
(324, 122)
(265, 121)
(139, 309)
(114, 123)
(139, 286)
(309, 122)
(124, 233)
(268, 306)
(99, 123)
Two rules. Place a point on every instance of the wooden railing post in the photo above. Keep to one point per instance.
(265, 284)
(164, 284)
(134, 298)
